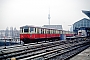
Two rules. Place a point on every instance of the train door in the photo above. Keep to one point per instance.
(37, 34)
(32, 32)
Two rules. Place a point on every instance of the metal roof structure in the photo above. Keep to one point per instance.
(86, 13)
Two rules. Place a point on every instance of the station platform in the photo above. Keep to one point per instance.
(84, 55)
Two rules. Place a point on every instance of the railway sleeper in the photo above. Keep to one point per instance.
(71, 44)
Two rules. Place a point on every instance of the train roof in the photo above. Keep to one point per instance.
(39, 27)
(30, 26)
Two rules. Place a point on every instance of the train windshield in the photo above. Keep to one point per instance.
(32, 30)
(26, 29)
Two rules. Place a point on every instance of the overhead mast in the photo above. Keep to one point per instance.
(49, 16)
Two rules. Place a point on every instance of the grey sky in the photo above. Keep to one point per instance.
(16, 13)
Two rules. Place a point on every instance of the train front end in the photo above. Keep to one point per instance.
(24, 34)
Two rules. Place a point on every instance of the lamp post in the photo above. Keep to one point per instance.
(69, 31)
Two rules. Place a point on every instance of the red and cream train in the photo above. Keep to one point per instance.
(33, 34)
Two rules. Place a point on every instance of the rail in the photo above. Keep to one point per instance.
(44, 51)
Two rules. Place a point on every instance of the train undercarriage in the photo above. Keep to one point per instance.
(27, 40)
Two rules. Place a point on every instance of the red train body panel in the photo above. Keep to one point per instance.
(37, 36)
(22, 36)
(68, 35)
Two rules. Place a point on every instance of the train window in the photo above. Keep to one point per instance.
(44, 31)
(31, 29)
(48, 31)
(59, 31)
(26, 29)
(40, 31)
(54, 31)
(62, 32)
(37, 30)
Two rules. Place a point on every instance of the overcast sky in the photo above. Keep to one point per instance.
(16, 13)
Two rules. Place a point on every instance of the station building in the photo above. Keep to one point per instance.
(54, 26)
(83, 24)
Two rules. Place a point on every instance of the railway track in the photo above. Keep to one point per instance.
(57, 50)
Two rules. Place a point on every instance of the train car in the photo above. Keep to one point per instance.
(84, 31)
(34, 34)
(69, 34)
